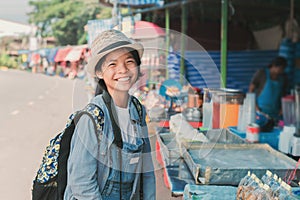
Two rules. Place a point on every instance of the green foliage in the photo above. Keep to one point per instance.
(7, 61)
(65, 19)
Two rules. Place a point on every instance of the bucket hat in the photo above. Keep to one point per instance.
(108, 41)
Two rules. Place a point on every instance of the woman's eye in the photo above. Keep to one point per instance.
(130, 62)
(111, 65)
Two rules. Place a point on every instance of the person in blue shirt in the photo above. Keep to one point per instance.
(99, 167)
(270, 85)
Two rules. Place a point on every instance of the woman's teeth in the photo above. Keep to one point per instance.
(123, 79)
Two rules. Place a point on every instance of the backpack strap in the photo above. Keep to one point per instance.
(112, 113)
(95, 113)
(138, 107)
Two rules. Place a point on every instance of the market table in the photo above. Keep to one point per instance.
(176, 170)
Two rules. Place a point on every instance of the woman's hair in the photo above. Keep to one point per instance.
(101, 84)
(278, 61)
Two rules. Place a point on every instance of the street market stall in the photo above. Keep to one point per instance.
(198, 161)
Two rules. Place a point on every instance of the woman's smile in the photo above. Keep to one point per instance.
(123, 79)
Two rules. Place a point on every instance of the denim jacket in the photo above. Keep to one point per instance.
(91, 157)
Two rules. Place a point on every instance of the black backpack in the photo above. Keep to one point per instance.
(51, 179)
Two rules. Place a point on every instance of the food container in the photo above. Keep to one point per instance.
(252, 133)
(288, 110)
(226, 104)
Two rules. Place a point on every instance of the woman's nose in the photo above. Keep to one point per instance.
(122, 68)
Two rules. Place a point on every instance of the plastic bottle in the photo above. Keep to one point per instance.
(242, 190)
(284, 191)
(246, 179)
(262, 192)
(273, 180)
(253, 185)
(266, 177)
(275, 187)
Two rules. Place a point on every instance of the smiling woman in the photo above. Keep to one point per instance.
(117, 165)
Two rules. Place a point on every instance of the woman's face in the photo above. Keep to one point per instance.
(119, 71)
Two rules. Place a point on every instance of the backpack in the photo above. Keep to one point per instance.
(51, 179)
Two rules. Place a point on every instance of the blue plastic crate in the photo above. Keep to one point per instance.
(271, 138)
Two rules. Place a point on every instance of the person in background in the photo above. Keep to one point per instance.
(199, 92)
(59, 69)
(110, 165)
(270, 85)
(200, 101)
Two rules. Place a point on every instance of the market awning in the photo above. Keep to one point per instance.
(62, 53)
(75, 53)
(133, 3)
(144, 29)
(51, 54)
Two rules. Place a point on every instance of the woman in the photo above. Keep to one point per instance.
(112, 164)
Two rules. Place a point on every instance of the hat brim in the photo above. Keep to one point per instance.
(90, 68)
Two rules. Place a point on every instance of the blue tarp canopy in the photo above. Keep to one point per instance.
(134, 3)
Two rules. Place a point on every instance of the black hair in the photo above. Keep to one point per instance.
(278, 61)
(101, 86)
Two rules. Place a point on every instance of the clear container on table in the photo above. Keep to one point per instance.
(226, 105)
(288, 110)
(208, 107)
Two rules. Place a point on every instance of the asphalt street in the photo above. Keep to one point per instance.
(33, 109)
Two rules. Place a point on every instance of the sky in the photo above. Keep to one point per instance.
(14, 10)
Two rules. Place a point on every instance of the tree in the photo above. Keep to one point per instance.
(65, 19)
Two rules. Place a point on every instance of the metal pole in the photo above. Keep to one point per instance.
(183, 33)
(224, 42)
(167, 24)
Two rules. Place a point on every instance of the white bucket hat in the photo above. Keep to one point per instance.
(107, 42)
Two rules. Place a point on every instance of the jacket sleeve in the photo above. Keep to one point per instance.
(82, 162)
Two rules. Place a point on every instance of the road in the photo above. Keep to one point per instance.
(34, 108)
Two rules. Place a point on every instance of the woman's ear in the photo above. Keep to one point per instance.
(99, 74)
